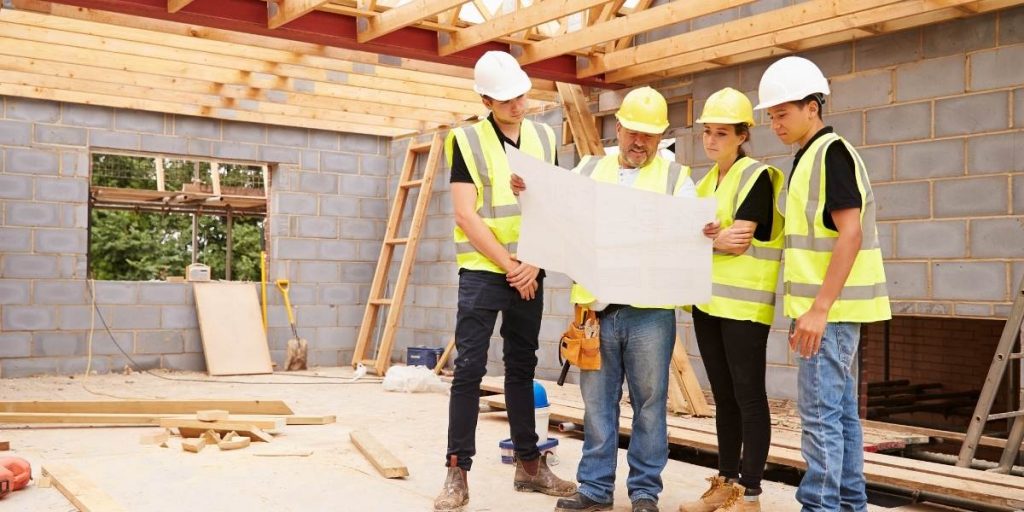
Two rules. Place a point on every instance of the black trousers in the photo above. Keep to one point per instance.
(482, 295)
(734, 354)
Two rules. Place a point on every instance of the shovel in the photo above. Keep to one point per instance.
(297, 347)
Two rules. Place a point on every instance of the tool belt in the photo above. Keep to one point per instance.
(581, 342)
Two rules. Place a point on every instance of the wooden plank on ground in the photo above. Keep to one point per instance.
(150, 419)
(267, 407)
(378, 455)
(79, 490)
(232, 424)
(234, 342)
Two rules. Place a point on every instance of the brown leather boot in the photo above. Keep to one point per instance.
(535, 476)
(455, 494)
(738, 501)
(713, 498)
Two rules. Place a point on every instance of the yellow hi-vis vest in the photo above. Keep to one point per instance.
(743, 285)
(495, 203)
(809, 243)
(659, 176)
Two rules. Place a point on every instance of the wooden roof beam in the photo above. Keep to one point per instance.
(540, 12)
(639, 60)
(845, 27)
(403, 16)
(177, 5)
(638, 22)
(625, 41)
(281, 12)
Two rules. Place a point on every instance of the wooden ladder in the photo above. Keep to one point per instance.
(996, 371)
(685, 395)
(380, 362)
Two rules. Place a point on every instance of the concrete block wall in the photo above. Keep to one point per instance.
(326, 218)
(936, 113)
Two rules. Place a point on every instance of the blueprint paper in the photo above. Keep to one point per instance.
(626, 246)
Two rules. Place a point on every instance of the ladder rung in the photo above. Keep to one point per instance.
(380, 302)
(397, 241)
(1016, 355)
(412, 183)
(420, 148)
(369, 363)
(1004, 415)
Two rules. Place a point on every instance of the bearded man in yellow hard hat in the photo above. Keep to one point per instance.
(636, 339)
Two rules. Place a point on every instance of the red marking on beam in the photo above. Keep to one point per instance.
(330, 29)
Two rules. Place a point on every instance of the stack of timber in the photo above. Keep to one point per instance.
(984, 487)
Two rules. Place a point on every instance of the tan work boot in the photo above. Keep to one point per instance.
(738, 501)
(535, 476)
(713, 498)
(455, 494)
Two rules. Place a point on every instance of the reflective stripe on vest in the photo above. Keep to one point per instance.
(674, 173)
(864, 297)
(536, 139)
(743, 286)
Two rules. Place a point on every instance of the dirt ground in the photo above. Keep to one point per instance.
(335, 477)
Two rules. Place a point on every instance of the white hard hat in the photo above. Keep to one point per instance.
(790, 79)
(497, 75)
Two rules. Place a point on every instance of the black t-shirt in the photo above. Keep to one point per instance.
(759, 207)
(460, 173)
(841, 190)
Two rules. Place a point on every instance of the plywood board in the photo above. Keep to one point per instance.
(234, 342)
(228, 425)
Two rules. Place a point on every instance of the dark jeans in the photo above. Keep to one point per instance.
(481, 296)
(734, 353)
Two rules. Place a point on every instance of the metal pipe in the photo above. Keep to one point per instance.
(945, 458)
(919, 496)
(567, 426)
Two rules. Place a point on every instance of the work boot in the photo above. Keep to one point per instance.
(455, 494)
(535, 476)
(645, 505)
(713, 498)
(580, 503)
(739, 501)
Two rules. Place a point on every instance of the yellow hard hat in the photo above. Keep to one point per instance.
(728, 106)
(643, 110)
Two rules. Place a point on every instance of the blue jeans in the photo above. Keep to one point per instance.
(832, 441)
(636, 344)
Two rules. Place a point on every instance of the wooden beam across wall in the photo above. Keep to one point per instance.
(638, 22)
(538, 13)
(764, 23)
(830, 30)
(282, 12)
(402, 16)
(177, 5)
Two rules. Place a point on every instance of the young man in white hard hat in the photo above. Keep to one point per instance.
(732, 329)
(636, 340)
(833, 278)
(492, 280)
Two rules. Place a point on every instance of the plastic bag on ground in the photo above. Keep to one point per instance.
(413, 379)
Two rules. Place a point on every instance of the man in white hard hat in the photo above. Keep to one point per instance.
(492, 280)
(833, 279)
(636, 339)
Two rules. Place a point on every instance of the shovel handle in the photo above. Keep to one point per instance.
(282, 284)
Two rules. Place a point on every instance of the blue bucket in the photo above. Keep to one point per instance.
(423, 356)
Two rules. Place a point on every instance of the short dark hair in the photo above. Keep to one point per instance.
(817, 98)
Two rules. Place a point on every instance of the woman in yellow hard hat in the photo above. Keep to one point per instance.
(732, 329)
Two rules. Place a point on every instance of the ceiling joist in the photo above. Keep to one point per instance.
(177, 5)
(638, 22)
(281, 12)
(403, 16)
(540, 12)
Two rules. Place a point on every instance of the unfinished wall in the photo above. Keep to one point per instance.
(327, 214)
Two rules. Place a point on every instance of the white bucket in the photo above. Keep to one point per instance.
(541, 416)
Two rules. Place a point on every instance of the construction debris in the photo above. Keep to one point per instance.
(212, 415)
(378, 455)
(155, 438)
